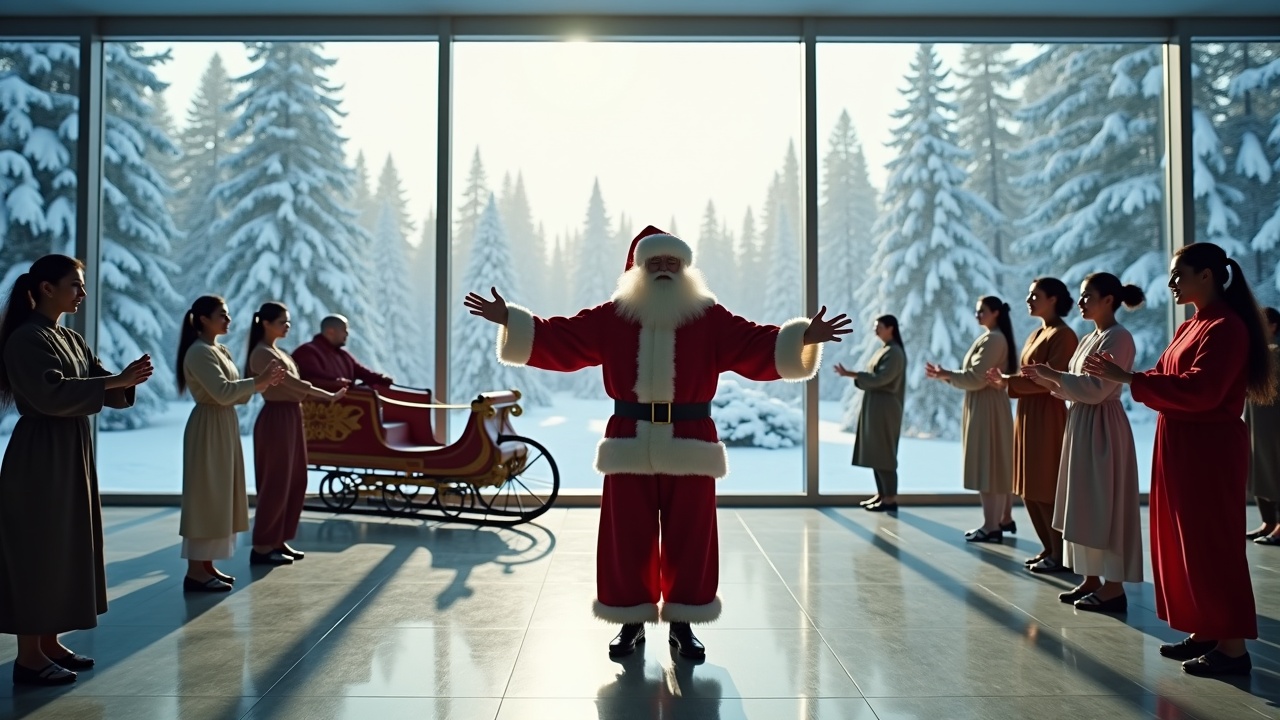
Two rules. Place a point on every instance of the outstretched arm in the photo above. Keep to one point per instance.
(561, 344)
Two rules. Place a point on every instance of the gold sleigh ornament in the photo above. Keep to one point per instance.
(330, 422)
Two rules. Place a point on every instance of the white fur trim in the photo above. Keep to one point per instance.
(794, 360)
(656, 365)
(515, 339)
(679, 612)
(662, 244)
(656, 451)
(648, 612)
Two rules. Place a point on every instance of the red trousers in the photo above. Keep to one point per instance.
(280, 472)
(658, 542)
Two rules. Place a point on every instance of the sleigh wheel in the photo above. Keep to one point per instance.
(339, 490)
(531, 487)
(400, 498)
(454, 499)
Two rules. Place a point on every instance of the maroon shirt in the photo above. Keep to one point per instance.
(329, 367)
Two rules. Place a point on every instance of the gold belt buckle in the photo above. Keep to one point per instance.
(653, 413)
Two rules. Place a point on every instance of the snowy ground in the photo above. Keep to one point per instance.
(150, 460)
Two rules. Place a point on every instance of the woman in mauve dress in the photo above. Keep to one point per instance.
(1201, 463)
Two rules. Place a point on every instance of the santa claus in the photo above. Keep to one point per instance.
(662, 342)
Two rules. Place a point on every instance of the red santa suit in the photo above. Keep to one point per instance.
(657, 540)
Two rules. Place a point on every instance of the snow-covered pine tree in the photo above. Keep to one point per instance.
(473, 362)
(475, 194)
(1246, 82)
(38, 104)
(527, 250)
(751, 267)
(362, 197)
(714, 256)
(596, 270)
(845, 244)
(1096, 187)
(929, 266)
(422, 263)
(783, 299)
(204, 144)
(985, 114)
(137, 296)
(393, 303)
(292, 235)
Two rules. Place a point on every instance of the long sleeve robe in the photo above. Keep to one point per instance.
(1040, 418)
(52, 573)
(880, 419)
(1198, 476)
(986, 424)
(214, 504)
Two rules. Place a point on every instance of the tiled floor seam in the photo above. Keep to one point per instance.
(511, 675)
(800, 605)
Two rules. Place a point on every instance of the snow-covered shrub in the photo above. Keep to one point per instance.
(750, 418)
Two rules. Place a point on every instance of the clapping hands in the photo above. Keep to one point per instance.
(137, 372)
(843, 371)
(495, 310)
(271, 375)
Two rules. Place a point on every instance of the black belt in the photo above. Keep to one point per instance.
(661, 413)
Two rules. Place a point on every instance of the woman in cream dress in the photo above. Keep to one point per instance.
(1097, 506)
(214, 506)
(987, 421)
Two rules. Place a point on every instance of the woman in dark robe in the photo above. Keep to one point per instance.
(1201, 463)
(49, 482)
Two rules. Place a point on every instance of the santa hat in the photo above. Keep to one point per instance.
(652, 242)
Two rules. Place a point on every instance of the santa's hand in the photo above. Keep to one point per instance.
(495, 310)
(821, 330)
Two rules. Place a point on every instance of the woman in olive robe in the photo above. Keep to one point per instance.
(52, 574)
(884, 383)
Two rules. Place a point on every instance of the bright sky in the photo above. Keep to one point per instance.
(665, 127)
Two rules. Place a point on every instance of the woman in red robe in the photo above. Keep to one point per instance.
(1199, 386)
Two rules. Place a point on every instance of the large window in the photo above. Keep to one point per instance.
(39, 95)
(1236, 92)
(564, 151)
(956, 171)
(296, 172)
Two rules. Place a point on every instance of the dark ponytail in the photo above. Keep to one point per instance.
(204, 306)
(891, 322)
(22, 302)
(1108, 285)
(1272, 317)
(269, 312)
(1056, 289)
(1001, 308)
(1234, 289)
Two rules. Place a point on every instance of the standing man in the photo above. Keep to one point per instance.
(662, 340)
(324, 362)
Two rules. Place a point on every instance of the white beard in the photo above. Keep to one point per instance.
(665, 304)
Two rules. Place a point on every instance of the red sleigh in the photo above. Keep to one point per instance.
(379, 454)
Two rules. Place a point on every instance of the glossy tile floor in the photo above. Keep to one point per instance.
(833, 613)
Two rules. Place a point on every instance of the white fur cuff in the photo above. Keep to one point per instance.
(648, 612)
(515, 339)
(679, 612)
(655, 245)
(794, 360)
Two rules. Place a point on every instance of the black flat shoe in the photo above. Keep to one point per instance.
(882, 507)
(1267, 540)
(228, 579)
(73, 661)
(1012, 527)
(1093, 603)
(1216, 662)
(682, 639)
(869, 501)
(275, 557)
(1048, 566)
(51, 674)
(1033, 560)
(1188, 649)
(1254, 535)
(1070, 597)
(627, 639)
(290, 552)
(982, 536)
(212, 585)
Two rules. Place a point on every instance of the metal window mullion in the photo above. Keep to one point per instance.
(810, 253)
(444, 222)
(1180, 219)
(89, 182)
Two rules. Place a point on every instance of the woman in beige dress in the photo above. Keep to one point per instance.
(1097, 506)
(884, 383)
(987, 422)
(1264, 461)
(279, 441)
(214, 506)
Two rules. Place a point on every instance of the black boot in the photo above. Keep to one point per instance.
(631, 635)
(683, 640)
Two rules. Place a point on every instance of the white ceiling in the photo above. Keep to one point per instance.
(794, 8)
